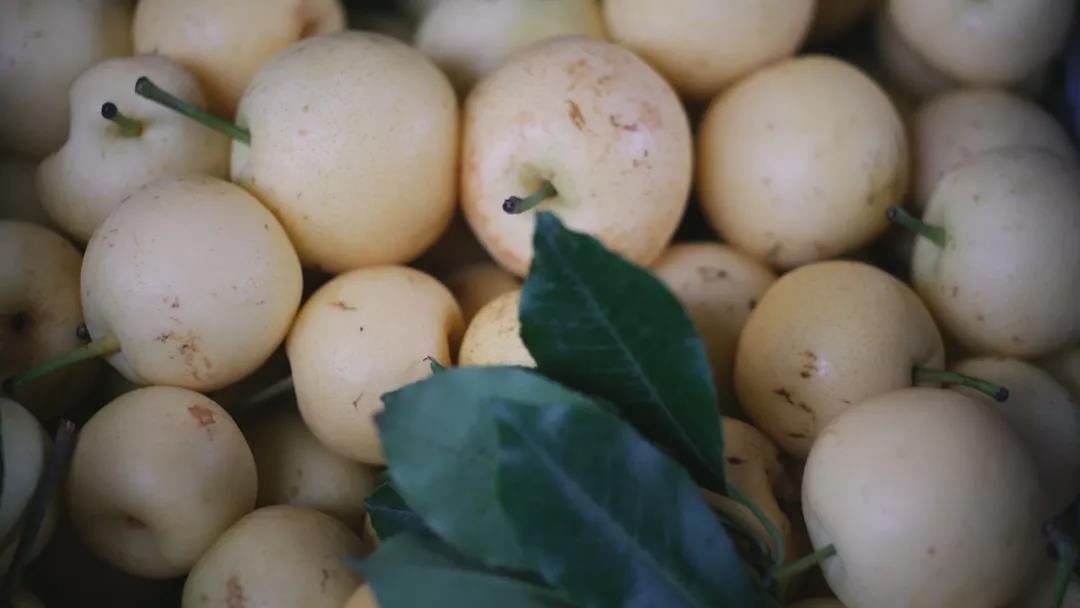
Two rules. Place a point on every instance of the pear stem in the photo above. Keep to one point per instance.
(940, 376)
(146, 88)
(102, 347)
(52, 479)
(271, 391)
(783, 573)
(129, 127)
(900, 217)
(517, 204)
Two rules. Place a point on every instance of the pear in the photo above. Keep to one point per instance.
(475, 285)
(582, 128)
(44, 45)
(823, 338)
(225, 43)
(798, 162)
(295, 469)
(468, 39)
(157, 476)
(1045, 417)
(985, 43)
(277, 557)
(40, 315)
(363, 334)
(493, 337)
(193, 281)
(354, 140)
(957, 126)
(702, 46)
(103, 162)
(998, 241)
(888, 485)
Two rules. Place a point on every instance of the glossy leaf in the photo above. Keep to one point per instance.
(439, 439)
(389, 513)
(605, 516)
(415, 569)
(598, 323)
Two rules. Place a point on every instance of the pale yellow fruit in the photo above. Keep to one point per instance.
(1045, 417)
(354, 140)
(719, 286)
(363, 597)
(957, 126)
(468, 39)
(701, 46)
(798, 162)
(40, 313)
(98, 167)
(277, 557)
(25, 452)
(1010, 218)
(44, 45)
(475, 285)
(597, 123)
(903, 67)
(196, 280)
(835, 17)
(916, 471)
(985, 42)
(493, 337)
(157, 476)
(363, 334)
(1065, 368)
(18, 196)
(824, 337)
(295, 469)
(225, 43)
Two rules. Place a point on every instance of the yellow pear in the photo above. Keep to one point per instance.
(225, 43)
(493, 337)
(589, 130)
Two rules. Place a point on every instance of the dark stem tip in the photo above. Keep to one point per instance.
(1002, 394)
(892, 213)
(108, 110)
(511, 204)
(142, 84)
(82, 333)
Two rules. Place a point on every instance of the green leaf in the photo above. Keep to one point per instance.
(439, 439)
(415, 569)
(600, 324)
(389, 513)
(608, 518)
(436, 367)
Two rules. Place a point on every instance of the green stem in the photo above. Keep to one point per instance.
(102, 347)
(1063, 574)
(517, 204)
(940, 376)
(770, 528)
(146, 88)
(901, 217)
(271, 391)
(785, 572)
(129, 127)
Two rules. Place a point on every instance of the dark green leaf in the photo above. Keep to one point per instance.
(439, 439)
(414, 569)
(598, 323)
(436, 367)
(389, 513)
(608, 518)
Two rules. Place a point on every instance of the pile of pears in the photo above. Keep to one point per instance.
(228, 227)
